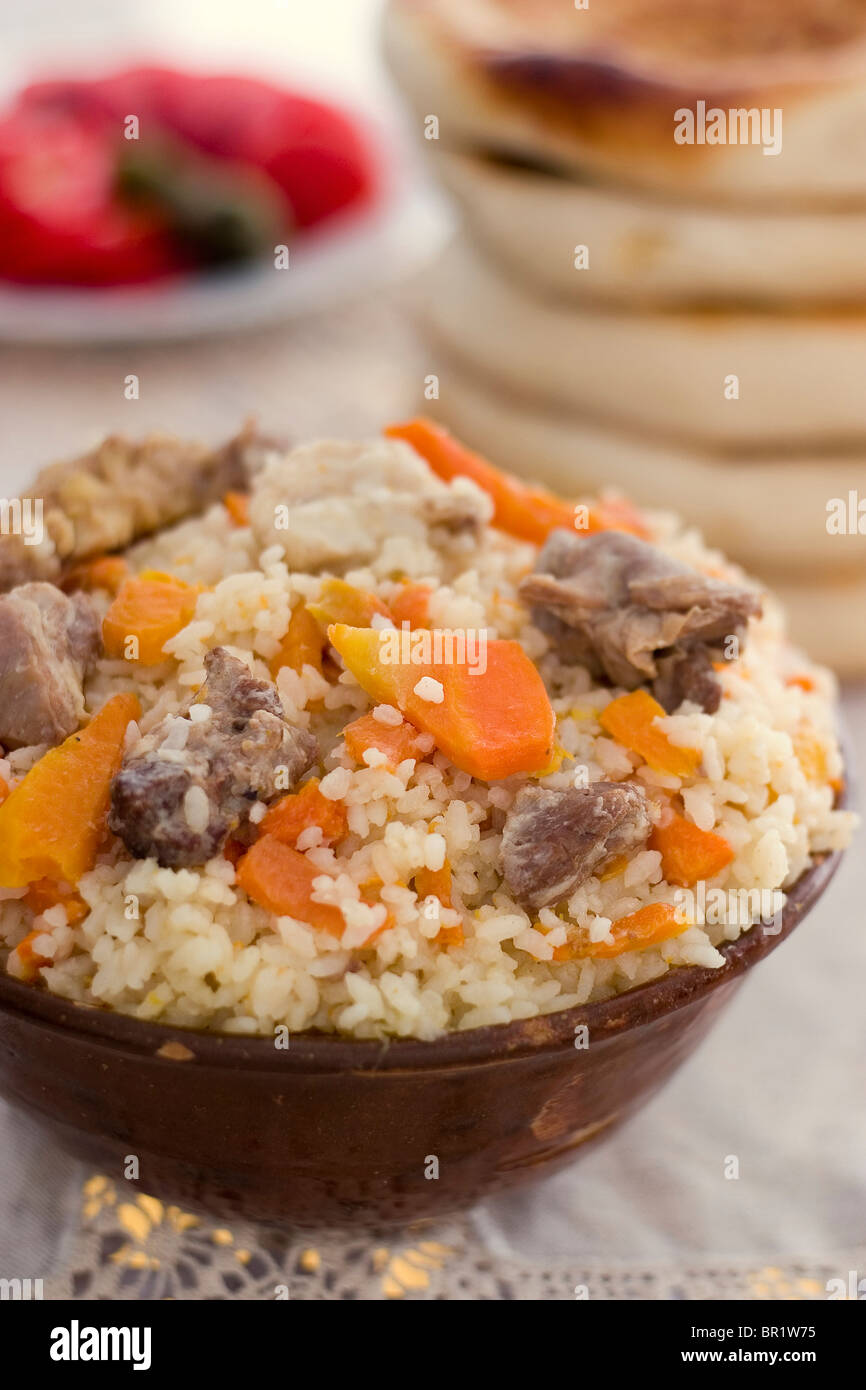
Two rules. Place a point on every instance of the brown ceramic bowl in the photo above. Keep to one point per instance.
(337, 1132)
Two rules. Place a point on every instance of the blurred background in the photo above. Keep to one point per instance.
(201, 365)
(574, 303)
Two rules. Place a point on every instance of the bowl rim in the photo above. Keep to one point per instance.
(310, 1052)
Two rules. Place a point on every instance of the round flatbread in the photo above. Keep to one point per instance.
(731, 381)
(828, 620)
(770, 516)
(603, 91)
(596, 242)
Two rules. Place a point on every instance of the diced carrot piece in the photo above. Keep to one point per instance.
(46, 893)
(435, 883)
(53, 823)
(151, 608)
(237, 504)
(76, 910)
(340, 602)
(280, 880)
(300, 810)
(630, 720)
(688, 853)
(302, 645)
(647, 927)
(529, 513)
(492, 722)
(451, 936)
(412, 606)
(396, 741)
(804, 682)
(107, 572)
(370, 895)
(25, 961)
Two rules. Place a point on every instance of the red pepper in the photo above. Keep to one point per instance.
(60, 222)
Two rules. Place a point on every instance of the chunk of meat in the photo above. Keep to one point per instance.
(47, 644)
(120, 491)
(689, 675)
(191, 782)
(334, 502)
(555, 838)
(634, 616)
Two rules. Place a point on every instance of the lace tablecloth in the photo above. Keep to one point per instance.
(649, 1214)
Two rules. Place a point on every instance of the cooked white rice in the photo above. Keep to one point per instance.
(187, 947)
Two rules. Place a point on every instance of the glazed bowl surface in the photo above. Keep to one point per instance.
(336, 1132)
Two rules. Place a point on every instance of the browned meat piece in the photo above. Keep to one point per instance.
(690, 676)
(190, 782)
(633, 616)
(555, 839)
(120, 491)
(47, 642)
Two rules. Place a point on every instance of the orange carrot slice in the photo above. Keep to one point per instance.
(647, 927)
(436, 883)
(150, 608)
(450, 936)
(25, 962)
(52, 824)
(280, 880)
(631, 721)
(370, 894)
(340, 602)
(294, 814)
(412, 606)
(396, 741)
(107, 572)
(688, 853)
(302, 645)
(46, 893)
(237, 504)
(529, 513)
(491, 723)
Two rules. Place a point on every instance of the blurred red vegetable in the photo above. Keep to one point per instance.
(81, 204)
(60, 222)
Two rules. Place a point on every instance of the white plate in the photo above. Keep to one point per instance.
(363, 253)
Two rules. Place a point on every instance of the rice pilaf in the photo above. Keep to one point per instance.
(189, 946)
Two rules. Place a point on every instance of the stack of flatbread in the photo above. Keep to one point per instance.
(660, 281)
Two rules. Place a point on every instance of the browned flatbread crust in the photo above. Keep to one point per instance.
(597, 89)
